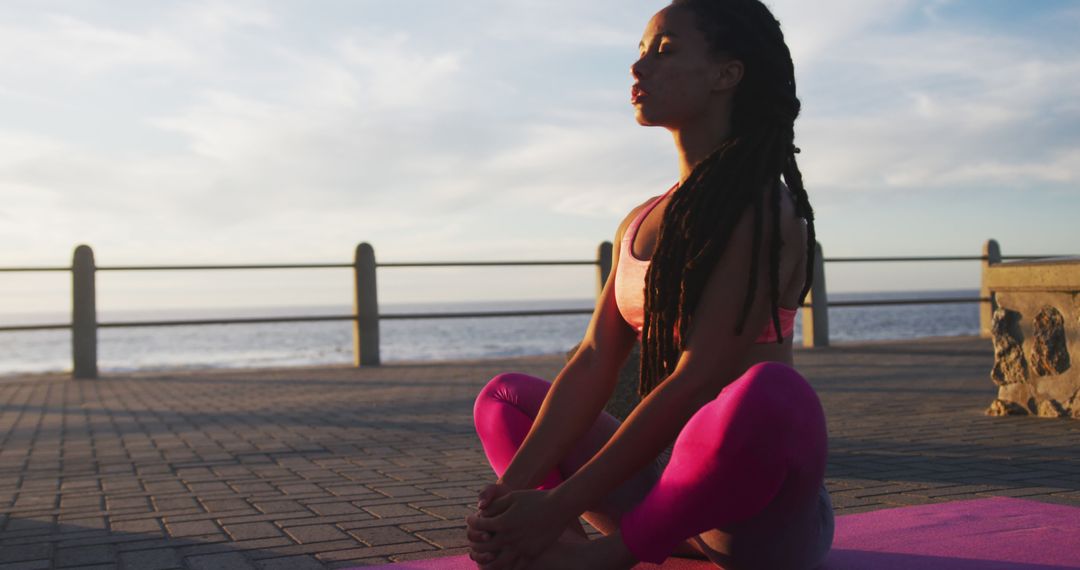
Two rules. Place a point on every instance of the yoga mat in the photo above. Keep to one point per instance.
(985, 534)
(464, 563)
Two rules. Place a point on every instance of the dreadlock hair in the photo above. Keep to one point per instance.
(744, 172)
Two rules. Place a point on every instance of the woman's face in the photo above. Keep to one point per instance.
(675, 76)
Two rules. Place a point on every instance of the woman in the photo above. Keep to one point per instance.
(709, 275)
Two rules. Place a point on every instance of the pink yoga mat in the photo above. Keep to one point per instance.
(985, 534)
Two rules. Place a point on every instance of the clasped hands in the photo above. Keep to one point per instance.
(512, 528)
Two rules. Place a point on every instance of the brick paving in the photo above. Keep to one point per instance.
(335, 467)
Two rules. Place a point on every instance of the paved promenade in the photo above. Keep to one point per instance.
(336, 467)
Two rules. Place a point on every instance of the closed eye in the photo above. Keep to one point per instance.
(660, 42)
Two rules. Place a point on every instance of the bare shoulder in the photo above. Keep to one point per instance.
(625, 223)
(793, 244)
(792, 226)
(794, 236)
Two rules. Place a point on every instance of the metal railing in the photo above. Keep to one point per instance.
(366, 316)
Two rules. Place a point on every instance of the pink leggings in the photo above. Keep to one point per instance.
(750, 456)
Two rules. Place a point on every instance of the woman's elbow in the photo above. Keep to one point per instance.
(589, 369)
(702, 384)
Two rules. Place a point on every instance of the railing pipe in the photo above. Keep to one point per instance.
(32, 269)
(932, 258)
(233, 321)
(242, 266)
(484, 314)
(83, 315)
(417, 264)
(33, 328)
(366, 308)
(901, 302)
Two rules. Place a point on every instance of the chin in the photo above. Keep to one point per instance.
(643, 118)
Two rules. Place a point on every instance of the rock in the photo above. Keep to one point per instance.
(1051, 409)
(1049, 352)
(1073, 406)
(1022, 394)
(1003, 408)
(1035, 329)
(625, 397)
(1010, 366)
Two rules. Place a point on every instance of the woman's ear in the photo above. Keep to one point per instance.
(727, 73)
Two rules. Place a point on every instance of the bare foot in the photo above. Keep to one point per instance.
(605, 553)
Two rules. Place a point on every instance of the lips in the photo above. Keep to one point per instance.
(637, 94)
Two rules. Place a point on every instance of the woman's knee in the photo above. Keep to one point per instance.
(772, 372)
(773, 384)
(779, 400)
(510, 388)
(769, 399)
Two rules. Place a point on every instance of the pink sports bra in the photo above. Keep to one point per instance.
(630, 282)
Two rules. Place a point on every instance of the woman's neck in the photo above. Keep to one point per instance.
(694, 143)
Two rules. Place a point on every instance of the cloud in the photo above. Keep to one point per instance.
(570, 25)
(380, 121)
(268, 133)
(814, 30)
(389, 76)
(1061, 167)
(359, 119)
(595, 166)
(223, 17)
(72, 45)
(935, 107)
(931, 10)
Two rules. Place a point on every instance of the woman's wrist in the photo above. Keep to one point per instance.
(515, 484)
(564, 503)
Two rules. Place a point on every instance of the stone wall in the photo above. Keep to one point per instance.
(1036, 336)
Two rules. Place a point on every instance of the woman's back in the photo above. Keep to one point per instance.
(637, 240)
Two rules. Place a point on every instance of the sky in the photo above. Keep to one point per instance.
(248, 131)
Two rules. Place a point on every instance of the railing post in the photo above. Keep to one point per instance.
(366, 308)
(815, 323)
(83, 314)
(603, 264)
(991, 256)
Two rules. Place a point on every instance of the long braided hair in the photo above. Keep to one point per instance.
(743, 173)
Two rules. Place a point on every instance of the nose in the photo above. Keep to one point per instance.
(637, 68)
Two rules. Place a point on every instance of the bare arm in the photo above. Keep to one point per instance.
(580, 390)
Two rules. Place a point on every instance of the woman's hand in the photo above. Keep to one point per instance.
(482, 550)
(521, 525)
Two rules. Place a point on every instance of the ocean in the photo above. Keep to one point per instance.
(323, 343)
